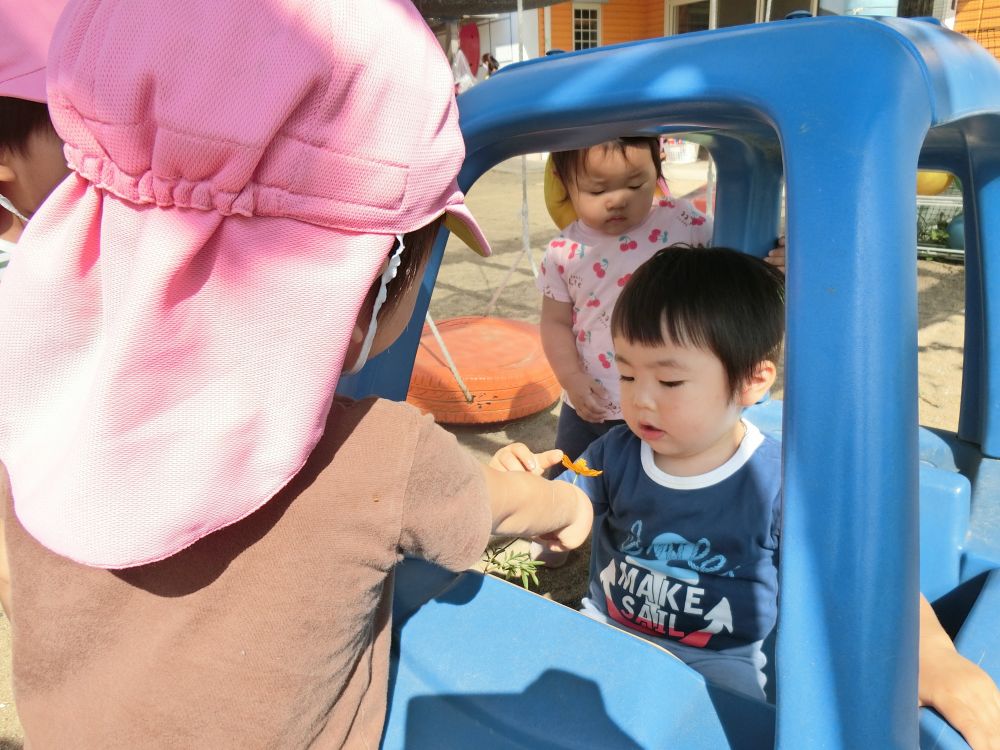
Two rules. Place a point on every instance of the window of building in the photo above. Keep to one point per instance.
(915, 8)
(781, 8)
(684, 16)
(736, 13)
(586, 26)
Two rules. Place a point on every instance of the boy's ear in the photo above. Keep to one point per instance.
(758, 384)
(7, 173)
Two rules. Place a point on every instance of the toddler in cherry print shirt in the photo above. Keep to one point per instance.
(619, 225)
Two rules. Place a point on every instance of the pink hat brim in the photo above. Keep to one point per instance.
(30, 86)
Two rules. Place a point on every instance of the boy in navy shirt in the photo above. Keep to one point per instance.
(687, 495)
(688, 502)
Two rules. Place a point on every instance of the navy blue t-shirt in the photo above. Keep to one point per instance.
(688, 559)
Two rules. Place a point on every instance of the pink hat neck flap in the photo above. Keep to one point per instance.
(177, 316)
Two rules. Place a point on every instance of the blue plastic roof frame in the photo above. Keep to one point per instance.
(843, 109)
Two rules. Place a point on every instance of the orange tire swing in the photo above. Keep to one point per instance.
(501, 364)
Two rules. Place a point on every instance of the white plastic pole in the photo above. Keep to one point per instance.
(525, 228)
(525, 225)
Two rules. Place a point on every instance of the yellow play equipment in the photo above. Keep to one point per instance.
(933, 182)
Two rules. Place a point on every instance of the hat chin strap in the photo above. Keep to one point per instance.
(5, 203)
(387, 276)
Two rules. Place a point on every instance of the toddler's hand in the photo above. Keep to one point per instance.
(962, 693)
(577, 530)
(519, 457)
(776, 257)
(589, 397)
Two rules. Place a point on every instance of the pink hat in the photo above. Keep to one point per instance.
(177, 316)
(25, 31)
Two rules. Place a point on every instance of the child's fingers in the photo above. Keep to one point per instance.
(548, 458)
(600, 392)
(976, 714)
(979, 725)
(963, 694)
(515, 457)
(590, 408)
(776, 257)
(589, 414)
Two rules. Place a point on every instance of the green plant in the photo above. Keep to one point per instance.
(932, 232)
(512, 565)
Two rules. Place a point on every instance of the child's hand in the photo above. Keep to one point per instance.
(577, 530)
(588, 397)
(962, 693)
(519, 457)
(776, 257)
(955, 687)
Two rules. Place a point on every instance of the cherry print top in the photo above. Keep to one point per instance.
(589, 268)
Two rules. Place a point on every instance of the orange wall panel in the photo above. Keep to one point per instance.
(980, 21)
(974, 15)
(655, 22)
(562, 26)
(628, 20)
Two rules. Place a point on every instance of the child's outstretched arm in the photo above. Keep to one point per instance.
(955, 687)
(587, 395)
(526, 505)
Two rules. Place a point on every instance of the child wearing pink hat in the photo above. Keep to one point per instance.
(31, 159)
(201, 538)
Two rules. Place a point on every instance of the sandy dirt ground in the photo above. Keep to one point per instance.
(466, 284)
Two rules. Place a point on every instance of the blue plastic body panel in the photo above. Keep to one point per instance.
(515, 688)
(845, 109)
(945, 503)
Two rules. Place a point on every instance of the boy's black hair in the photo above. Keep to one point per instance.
(19, 118)
(728, 302)
(569, 164)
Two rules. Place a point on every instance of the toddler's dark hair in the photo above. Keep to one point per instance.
(569, 164)
(728, 302)
(19, 118)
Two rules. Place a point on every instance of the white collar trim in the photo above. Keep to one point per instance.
(751, 442)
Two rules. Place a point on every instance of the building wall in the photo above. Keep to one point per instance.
(980, 20)
(562, 26)
(621, 21)
(626, 20)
